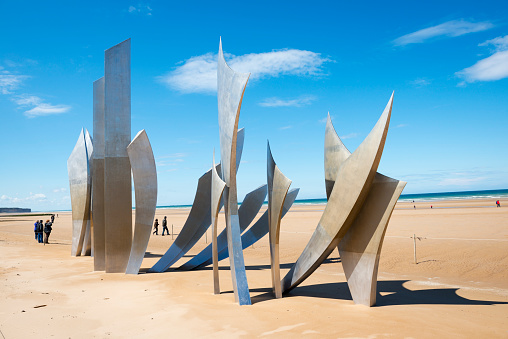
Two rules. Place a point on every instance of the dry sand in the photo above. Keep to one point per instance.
(459, 288)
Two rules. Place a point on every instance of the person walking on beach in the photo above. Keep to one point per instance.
(498, 204)
(39, 231)
(165, 226)
(156, 227)
(52, 218)
(47, 231)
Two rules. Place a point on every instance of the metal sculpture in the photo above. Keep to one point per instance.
(246, 213)
(353, 182)
(117, 170)
(86, 249)
(145, 187)
(199, 218)
(230, 89)
(360, 248)
(80, 186)
(278, 186)
(99, 260)
(217, 190)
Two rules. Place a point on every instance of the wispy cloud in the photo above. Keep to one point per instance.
(420, 82)
(141, 9)
(38, 107)
(58, 190)
(199, 74)
(286, 127)
(450, 29)
(401, 125)
(494, 67)
(349, 136)
(31, 197)
(11, 83)
(277, 102)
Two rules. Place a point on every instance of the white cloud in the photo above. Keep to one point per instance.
(420, 82)
(500, 43)
(31, 197)
(58, 190)
(140, 8)
(495, 67)
(460, 181)
(276, 102)
(10, 82)
(286, 127)
(348, 136)
(401, 125)
(199, 74)
(452, 28)
(46, 109)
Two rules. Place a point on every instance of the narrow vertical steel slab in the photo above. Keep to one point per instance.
(230, 89)
(278, 186)
(79, 186)
(144, 173)
(99, 260)
(217, 190)
(351, 188)
(199, 218)
(360, 248)
(117, 171)
(247, 212)
(86, 250)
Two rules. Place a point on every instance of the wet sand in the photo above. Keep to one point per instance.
(458, 288)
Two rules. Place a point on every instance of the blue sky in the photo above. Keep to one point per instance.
(446, 61)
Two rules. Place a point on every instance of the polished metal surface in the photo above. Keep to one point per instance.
(353, 181)
(144, 173)
(360, 248)
(79, 186)
(117, 170)
(197, 222)
(247, 212)
(99, 261)
(230, 89)
(278, 186)
(86, 249)
(217, 189)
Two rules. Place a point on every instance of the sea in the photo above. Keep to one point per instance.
(501, 194)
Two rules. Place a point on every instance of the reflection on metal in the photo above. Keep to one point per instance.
(360, 248)
(117, 170)
(217, 189)
(278, 186)
(86, 249)
(99, 261)
(353, 182)
(197, 222)
(230, 89)
(80, 187)
(247, 212)
(145, 188)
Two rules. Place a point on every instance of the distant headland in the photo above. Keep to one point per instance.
(15, 210)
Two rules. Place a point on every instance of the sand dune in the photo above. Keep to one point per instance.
(459, 288)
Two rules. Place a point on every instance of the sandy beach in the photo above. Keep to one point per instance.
(458, 288)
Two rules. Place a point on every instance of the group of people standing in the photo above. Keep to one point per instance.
(43, 230)
(164, 226)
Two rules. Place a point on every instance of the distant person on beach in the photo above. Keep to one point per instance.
(414, 206)
(156, 227)
(430, 206)
(39, 231)
(36, 226)
(47, 231)
(164, 226)
(52, 218)
(498, 204)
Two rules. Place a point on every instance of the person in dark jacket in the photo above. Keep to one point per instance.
(47, 231)
(52, 218)
(156, 227)
(39, 231)
(165, 226)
